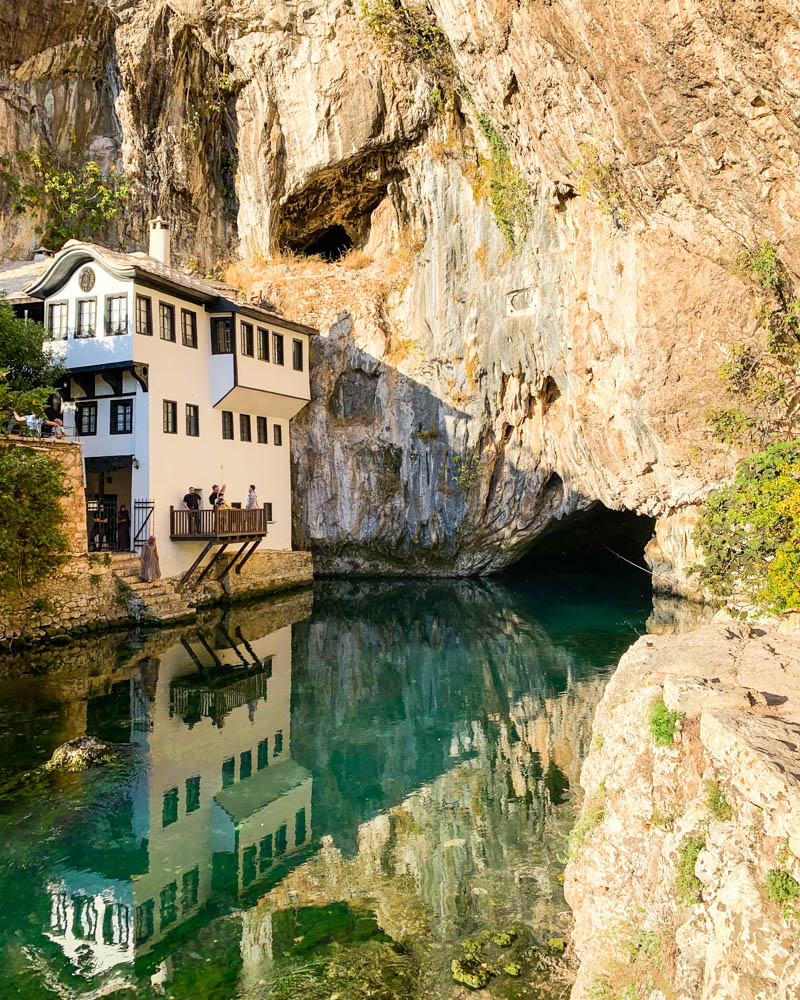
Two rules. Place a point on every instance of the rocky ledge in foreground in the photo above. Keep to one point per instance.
(684, 866)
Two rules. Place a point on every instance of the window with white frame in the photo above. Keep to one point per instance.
(87, 318)
(57, 313)
(277, 348)
(116, 315)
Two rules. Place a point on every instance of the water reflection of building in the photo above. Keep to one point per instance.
(217, 805)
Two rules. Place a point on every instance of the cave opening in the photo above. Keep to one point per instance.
(598, 540)
(331, 244)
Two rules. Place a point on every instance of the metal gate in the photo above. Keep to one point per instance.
(142, 523)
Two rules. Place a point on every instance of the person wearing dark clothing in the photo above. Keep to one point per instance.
(191, 502)
(99, 528)
(123, 529)
(212, 497)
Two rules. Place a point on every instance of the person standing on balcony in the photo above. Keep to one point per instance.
(212, 496)
(191, 502)
(252, 499)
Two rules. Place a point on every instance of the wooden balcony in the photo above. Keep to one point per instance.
(226, 525)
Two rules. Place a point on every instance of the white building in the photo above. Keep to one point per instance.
(174, 383)
(218, 807)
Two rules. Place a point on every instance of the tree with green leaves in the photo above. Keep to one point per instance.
(75, 200)
(28, 371)
(32, 542)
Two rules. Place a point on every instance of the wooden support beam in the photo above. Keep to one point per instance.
(212, 560)
(193, 567)
(252, 549)
(245, 543)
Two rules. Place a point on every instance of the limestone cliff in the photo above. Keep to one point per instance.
(465, 394)
(684, 864)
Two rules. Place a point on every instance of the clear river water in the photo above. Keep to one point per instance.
(321, 795)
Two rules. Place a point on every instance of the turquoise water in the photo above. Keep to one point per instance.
(318, 796)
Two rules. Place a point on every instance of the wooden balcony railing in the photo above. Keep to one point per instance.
(228, 522)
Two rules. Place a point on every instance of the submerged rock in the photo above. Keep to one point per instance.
(80, 754)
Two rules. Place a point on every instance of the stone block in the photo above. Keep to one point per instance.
(690, 695)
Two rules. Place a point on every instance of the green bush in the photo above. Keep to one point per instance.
(687, 884)
(404, 32)
(717, 802)
(73, 198)
(32, 544)
(663, 723)
(749, 531)
(784, 891)
(509, 192)
(762, 264)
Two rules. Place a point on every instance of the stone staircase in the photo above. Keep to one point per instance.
(156, 602)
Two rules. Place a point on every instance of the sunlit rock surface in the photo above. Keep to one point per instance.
(707, 928)
(453, 421)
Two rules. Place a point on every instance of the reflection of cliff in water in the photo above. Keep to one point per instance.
(394, 684)
(409, 747)
(444, 728)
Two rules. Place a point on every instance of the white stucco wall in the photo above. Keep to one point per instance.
(169, 463)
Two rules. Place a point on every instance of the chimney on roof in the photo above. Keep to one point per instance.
(159, 241)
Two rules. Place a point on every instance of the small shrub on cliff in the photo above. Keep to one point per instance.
(73, 198)
(509, 193)
(687, 884)
(784, 891)
(663, 723)
(32, 543)
(404, 32)
(762, 376)
(749, 531)
(717, 802)
(601, 178)
(760, 263)
(580, 835)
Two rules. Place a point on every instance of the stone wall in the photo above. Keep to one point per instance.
(69, 454)
(81, 596)
(265, 573)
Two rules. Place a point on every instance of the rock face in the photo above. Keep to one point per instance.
(465, 395)
(678, 856)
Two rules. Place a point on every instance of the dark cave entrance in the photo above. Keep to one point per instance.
(597, 540)
(331, 244)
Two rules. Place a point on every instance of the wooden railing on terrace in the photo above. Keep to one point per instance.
(228, 522)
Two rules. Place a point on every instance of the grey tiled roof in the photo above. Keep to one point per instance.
(19, 273)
